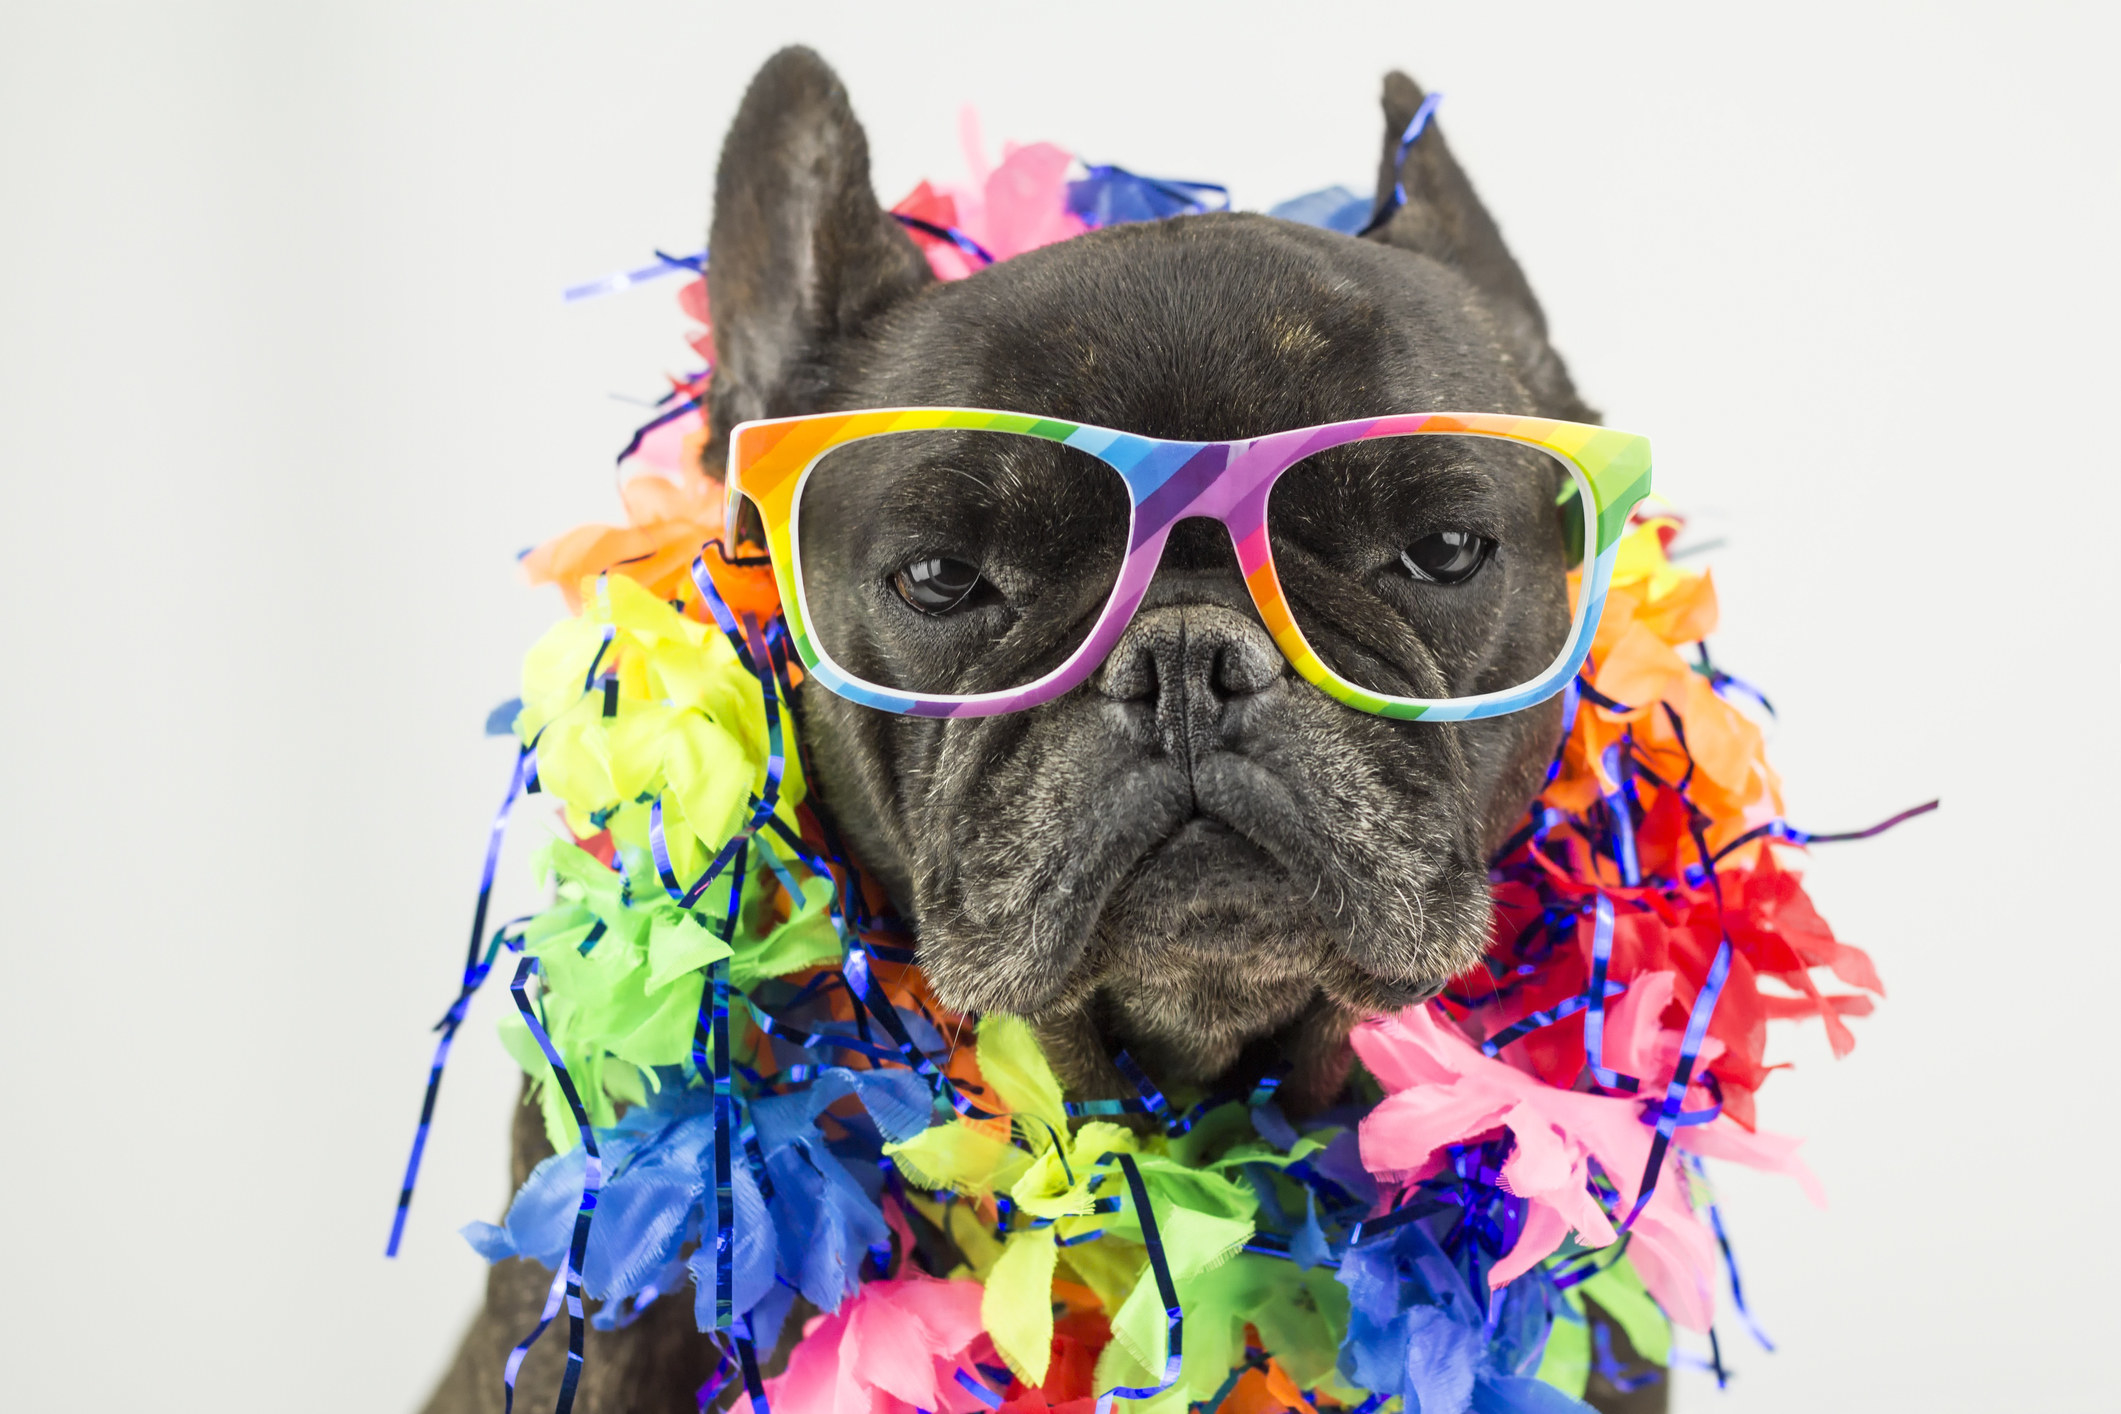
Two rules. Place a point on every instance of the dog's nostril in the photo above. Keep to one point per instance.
(1243, 667)
(1129, 675)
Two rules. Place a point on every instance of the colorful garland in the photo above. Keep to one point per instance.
(750, 1088)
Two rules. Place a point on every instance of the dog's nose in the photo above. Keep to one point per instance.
(1190, 665)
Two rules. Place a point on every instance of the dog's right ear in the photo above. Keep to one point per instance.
(801, 254)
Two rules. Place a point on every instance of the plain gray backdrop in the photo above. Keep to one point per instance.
(285, 382)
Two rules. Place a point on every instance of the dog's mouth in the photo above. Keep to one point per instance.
(1249, 841)
(1218, 836)
(1204, 867)
(1204, 844)
(1255, 841)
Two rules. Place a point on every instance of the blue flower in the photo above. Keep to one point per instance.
(1416, 1328)
(801, 1222)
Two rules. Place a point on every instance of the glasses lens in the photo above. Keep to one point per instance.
(1427, 566)
(952, 562)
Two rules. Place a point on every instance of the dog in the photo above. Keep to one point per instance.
(1195, 857)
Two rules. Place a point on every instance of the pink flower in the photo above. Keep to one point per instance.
(1441, 1090)
(1026, 202)
(1018, 206)
(892, 1348)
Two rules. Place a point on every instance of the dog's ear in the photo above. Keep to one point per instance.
(1443, 219)
(801, 255)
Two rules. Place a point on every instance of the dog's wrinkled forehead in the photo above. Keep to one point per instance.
(1201, 327)
(1204, 327)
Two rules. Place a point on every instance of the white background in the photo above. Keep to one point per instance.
(287, 382)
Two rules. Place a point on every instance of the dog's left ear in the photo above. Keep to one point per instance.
(801, 255)
(1444, 219)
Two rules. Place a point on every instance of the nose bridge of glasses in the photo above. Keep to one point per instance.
(1181, 480)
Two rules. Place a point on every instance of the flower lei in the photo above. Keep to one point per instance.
(749, 1086)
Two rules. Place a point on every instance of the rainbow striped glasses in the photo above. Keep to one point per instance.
(960, 562)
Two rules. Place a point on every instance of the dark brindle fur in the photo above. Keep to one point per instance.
(1195, 856)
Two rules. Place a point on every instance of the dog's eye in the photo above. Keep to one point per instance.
(1447, 557)
(937, 586)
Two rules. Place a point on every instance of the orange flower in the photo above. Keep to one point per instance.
(671, 519)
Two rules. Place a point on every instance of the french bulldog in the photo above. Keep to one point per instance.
(1195, 857)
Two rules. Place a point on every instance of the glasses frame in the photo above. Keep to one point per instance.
(771, 460)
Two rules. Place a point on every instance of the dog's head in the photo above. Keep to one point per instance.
(1195, 849)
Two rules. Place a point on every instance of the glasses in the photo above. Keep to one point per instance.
(961, 562)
